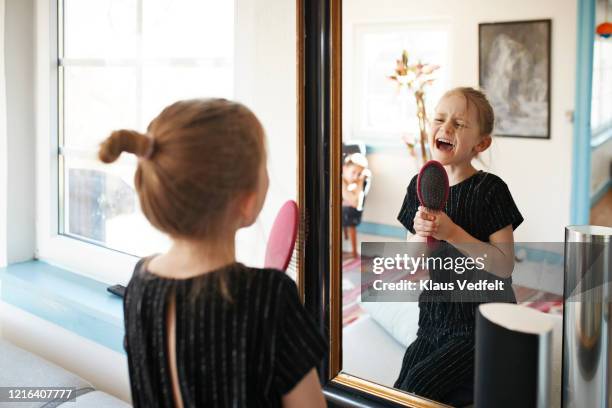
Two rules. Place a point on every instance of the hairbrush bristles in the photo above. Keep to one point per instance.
(432, 185)
(298, 250)
(432, 188)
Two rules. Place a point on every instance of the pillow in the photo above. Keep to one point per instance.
(399, 319)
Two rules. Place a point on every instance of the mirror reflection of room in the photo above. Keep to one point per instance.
(488, 90)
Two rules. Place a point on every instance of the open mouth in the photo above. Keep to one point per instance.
(444, 144)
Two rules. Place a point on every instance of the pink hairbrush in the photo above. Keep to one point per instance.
(281, 242)
(432, 188)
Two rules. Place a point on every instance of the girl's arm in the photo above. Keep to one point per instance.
(500, 248)
(349, 198)
(307, 393)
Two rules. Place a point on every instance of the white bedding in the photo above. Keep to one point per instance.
(371, 352)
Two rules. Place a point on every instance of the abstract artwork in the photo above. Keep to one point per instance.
(514, 71)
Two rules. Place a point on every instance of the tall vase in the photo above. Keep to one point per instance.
(422, 117)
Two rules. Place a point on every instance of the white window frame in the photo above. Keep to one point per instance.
(3, 146)
(83, 258)
(70, 252)
(372, 136)
(603, 127)
(137, 63)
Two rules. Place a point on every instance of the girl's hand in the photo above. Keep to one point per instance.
(424, 223)
(441, 227)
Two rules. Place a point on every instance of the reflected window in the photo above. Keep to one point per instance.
(601, 107)
(377, 110)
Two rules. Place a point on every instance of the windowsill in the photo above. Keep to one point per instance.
(377, 143)
(384, 147)
(601, 137)
(377, 146)
(74, 302)
(383, 230)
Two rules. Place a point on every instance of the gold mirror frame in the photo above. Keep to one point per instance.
(300, 141)
(335, 286)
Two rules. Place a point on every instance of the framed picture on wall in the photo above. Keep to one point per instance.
(514, 71)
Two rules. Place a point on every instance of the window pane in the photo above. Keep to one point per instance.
(188, 28)
(125, 60)
(388, 113)
(102, 206)
(98, 100)
(100, 28)
(595, 116)
(601, 104)
(379, 108)
(165, 85)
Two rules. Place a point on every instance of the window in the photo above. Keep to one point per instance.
(601, 106)
(379, 111)
(108, 64)
(120, 63)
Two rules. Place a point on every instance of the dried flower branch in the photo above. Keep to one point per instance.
(414, 76)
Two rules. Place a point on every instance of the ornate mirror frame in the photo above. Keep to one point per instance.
(320, 82)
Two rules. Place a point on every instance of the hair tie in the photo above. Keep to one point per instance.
(150, 149)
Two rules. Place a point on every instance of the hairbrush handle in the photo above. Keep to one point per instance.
(433, 189)
(432, 243)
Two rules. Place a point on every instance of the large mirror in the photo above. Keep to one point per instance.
(395, 63)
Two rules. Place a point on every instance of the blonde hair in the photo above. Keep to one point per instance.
(196, 156)
(477, 98)
(357, 159)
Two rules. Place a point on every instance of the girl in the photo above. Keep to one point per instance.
(439, 364)
(355, 175)
(201, 328)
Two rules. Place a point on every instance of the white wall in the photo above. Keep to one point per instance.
(533, 169)
(19, 161)
(391, 175)
(266, 63)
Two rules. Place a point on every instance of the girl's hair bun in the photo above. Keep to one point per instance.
(124, 140)
(208, 153)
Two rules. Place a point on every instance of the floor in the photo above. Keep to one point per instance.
(601, 213)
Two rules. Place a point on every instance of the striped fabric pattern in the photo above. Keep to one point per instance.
(481, 205)
(435, 366)
(441, 359)
(246, 350)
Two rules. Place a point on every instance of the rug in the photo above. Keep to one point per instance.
(351, 289)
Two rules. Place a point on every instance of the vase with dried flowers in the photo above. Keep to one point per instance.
(414, 78)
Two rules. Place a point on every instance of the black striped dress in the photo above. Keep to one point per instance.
(439, 364)
(247, 346)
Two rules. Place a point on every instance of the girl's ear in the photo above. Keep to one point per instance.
(484, 144)
(246, 207)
